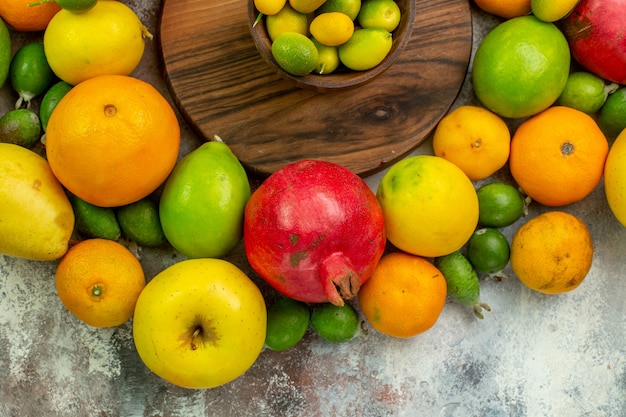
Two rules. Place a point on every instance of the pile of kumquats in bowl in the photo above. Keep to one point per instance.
(330, 45)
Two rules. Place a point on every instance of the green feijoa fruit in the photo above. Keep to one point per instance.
(140, 222)
(202, 204)
(30, 73)
(94, 221)
(488, 250)
(335, 323)
(287, 322)
(50, 101)
(462, 281)
(5, 52)
(499, 204)
(21, 127)
(612, 116)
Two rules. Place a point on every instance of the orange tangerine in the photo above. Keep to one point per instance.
(112, 140)
(552, 252)
(24, 18)
(557, 156)
(404, 296)
(99, 281)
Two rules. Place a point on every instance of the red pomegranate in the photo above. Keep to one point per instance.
(314, 231)
(596, 32)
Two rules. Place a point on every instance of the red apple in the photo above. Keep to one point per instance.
(596, 32)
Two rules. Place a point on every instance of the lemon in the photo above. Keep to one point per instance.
(286, 20)
(295, 53)
(430, 206)
(615, 178)
(585, 91)
(107, 39)
(521, 67)
(332, 29)
(269, 7)
(552, 10)
(366, 48)
(349, 7)
(328, 60)
(306, 6)
(379, 14)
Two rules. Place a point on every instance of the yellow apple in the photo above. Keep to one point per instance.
(200, 323)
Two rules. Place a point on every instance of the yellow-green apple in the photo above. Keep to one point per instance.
(200, 323)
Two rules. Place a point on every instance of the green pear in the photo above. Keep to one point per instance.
(36, 217)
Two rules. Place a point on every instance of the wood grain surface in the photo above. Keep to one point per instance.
(223, 87)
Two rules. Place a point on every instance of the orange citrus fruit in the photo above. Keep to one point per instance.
(552, 252)
(430, 206)
(112, 140)
(474, 139)
(99, 281)
(404, 296)
(505, 8)
(557, 157)
(521, 67)
(24, 18)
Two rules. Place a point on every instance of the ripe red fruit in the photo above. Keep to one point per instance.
(314, 231)
(596, 32)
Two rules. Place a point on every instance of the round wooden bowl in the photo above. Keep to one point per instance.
(342, 78)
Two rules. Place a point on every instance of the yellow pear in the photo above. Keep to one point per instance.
(36, 217)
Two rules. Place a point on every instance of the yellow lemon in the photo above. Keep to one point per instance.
(332, 29)
(552, 10)
(108, 39)
(286, 20)
(615, 178)
(430, 206)
(474, 139)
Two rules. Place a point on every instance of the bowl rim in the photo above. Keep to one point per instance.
(339, 80)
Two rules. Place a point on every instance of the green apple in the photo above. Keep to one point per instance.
(200, 323)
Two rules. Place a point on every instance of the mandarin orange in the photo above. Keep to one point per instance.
(404, 296)
(25, 18)
(557, 156)
(112, 140)
(99, 281)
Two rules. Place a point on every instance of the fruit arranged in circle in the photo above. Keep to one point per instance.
(488, 250)
(202, 203)
(36, 220)
(552, 252)
(585, 91)
(430, 205)
(287, 322)
(557, 156)
(25, 18)
(99, 281)
(474, 139)
(105, 40)
(335, 323)
(462, 281)
(612, 116)
(521, 67)
(200, 323)
(405, 296)
(615, 178)
(112, 140)
(505, 8)
(314, 231)
(499, 204)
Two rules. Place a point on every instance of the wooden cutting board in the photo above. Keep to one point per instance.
(223, 87)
